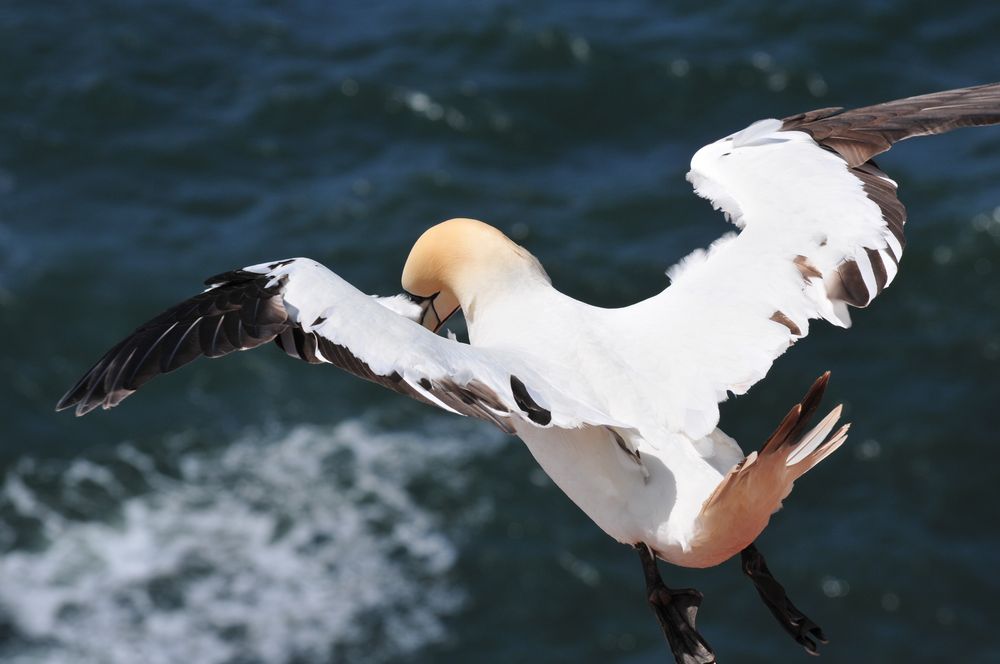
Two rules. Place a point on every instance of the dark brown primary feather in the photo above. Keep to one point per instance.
(244, 310)
(849, 285)
(862, 133)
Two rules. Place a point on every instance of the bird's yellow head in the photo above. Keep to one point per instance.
(458, 260)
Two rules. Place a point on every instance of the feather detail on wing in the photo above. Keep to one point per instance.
(821, 229)
(316, 316)
(862, 133)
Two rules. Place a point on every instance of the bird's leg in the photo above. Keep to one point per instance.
(675, 610)
(798, 625)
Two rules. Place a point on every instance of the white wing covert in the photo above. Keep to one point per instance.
(820, 229)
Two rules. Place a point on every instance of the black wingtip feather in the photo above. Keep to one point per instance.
(241, 311)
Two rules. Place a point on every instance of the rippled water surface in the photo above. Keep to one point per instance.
(261, 510)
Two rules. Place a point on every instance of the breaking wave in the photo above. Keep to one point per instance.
(306, 545)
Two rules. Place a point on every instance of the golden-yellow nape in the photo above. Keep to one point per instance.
(452, 262)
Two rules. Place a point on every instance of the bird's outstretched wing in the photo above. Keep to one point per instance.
(820, 228)
(316, 316)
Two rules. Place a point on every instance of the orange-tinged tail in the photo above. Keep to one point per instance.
(741, 506)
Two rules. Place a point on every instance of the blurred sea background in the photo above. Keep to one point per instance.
(259, 510)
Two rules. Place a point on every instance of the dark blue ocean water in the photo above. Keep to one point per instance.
(256, 509)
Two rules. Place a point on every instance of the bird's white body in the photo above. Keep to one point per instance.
(657, 505)
(655, 500)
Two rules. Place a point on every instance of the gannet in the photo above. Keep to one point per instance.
(618, 406)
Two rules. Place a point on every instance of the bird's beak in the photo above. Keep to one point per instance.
(434, 309)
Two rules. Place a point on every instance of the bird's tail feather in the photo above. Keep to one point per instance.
(803, 451)
(741, 506)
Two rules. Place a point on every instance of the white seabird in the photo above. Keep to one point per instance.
(619, 406)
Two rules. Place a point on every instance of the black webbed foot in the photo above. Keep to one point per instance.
(676, 611)
(805, 632)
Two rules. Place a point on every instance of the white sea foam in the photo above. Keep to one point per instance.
(301, 546)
